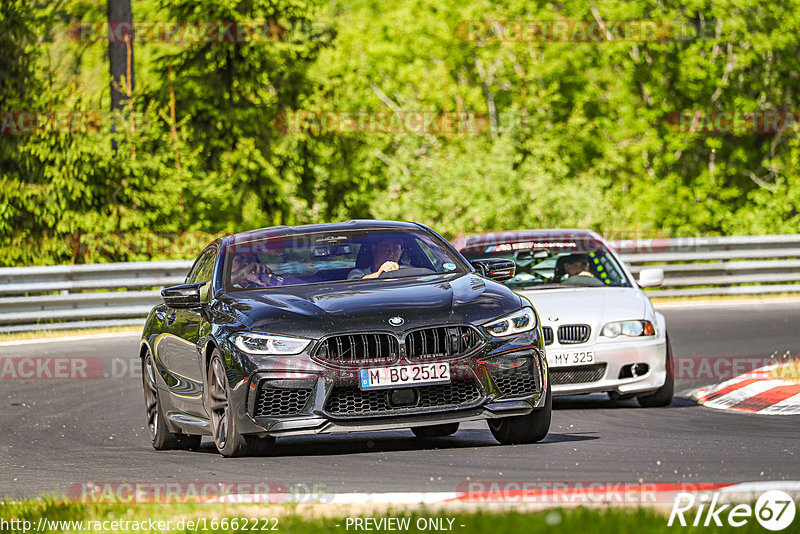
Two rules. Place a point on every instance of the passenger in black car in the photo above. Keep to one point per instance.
(247, 271)
(385, 257)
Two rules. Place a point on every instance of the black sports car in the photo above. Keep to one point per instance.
(356, 326)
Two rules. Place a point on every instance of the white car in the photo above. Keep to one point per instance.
(601, 331)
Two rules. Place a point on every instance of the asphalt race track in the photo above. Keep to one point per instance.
(56, 433)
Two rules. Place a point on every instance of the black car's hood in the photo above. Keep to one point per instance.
(319, 309)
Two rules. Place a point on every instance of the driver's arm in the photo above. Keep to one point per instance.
(386, 267)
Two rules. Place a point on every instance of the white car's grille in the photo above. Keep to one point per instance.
(572, 334)
(548, 335)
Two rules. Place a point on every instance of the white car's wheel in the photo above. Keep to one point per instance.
(662, 396)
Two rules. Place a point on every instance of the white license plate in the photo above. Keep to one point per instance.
(560, 359)
(404, 376)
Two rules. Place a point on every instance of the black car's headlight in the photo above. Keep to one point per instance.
(629, 329)
(514, 323)
(252, 343)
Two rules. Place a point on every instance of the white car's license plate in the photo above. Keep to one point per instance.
(560, 359)
(404, 376)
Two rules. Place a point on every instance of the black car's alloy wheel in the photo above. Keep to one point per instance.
(435, 431)
(229, 441)
(160, 436)
(524, 428)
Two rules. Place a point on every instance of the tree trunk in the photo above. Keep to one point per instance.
(120, 52)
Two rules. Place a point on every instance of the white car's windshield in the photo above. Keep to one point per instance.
(549, 263)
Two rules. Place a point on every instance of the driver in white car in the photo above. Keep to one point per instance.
(385, 257)
(577, 265)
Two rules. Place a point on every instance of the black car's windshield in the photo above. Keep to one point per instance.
(552, 263)
(336, 256)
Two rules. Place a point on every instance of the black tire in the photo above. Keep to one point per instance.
(435, 431)
(160, 437)
(230, 443)
(662, 396)
(524, 428)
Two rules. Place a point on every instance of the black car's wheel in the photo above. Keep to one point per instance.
(229, 441)
(524, 428)
(662, 396)
(435, 431)
(160, 437)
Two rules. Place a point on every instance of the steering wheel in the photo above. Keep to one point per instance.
(408, 270)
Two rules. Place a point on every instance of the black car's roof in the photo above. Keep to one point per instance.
(355, 224)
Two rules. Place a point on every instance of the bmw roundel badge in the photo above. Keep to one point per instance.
(396, 321)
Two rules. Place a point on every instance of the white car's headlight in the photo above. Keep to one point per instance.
(515, 323)
(628, 328)
(268, 344)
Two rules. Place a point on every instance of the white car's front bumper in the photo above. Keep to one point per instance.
(616, 355)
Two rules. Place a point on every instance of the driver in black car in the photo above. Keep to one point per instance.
(385, 257)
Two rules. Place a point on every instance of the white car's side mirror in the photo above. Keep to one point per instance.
(651, 277)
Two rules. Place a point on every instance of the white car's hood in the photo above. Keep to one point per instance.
(594, 306)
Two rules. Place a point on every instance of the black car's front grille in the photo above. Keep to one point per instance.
(571, 334)
(351, 401)
(518, 382)
(548, 335)
(274, 402)
(352, 350)
(577, 375)
(441, 342)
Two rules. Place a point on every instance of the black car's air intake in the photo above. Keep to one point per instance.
(359, 349)
(441, 342)
(427, 344)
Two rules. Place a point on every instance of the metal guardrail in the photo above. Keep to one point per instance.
(706, 266)
(95, 295)
(121, 294)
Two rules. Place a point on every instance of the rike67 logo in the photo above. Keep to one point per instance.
(774, 510)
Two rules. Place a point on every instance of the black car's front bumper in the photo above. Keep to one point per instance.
(298, 396)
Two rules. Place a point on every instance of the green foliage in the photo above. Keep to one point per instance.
(581, 134)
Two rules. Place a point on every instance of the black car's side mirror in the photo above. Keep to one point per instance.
(182, 296)
(497, 270)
